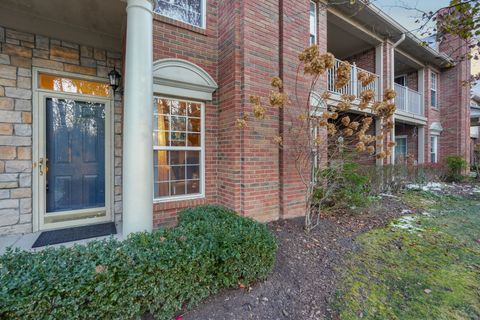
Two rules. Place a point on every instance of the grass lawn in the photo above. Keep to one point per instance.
(424, 267)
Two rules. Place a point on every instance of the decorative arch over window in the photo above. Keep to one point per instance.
(181, 78)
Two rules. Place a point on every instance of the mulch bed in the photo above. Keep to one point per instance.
(306, 272)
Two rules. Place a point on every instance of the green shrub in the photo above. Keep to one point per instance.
(341, 186)
(456, 165)
(159, 272)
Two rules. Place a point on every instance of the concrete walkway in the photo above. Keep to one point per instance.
(25, 241)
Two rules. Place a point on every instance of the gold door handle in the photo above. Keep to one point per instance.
(43, 166)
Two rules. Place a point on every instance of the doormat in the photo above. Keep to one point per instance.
(48, 238)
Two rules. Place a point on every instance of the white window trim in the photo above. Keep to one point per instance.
(200, 195)
(204, 16)
(434, 88)
(436, 148)
(406, 143)
(316, 23)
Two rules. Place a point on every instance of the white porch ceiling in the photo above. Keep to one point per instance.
(97, 23)
(344, 40)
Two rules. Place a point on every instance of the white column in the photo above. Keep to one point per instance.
(421, 144)
(138, 110)
(421, 89)
(378, 131)
(379, 68)
(392, 137)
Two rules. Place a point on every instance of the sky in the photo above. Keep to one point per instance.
(404, 12)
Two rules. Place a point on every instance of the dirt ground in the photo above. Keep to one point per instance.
(305, 275)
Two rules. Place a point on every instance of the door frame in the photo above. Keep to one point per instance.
(39, 149)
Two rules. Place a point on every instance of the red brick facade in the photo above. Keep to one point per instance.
(244, 44)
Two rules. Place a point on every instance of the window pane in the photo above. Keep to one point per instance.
(193, 186)
(177, 107)
(193, 172)
(177, 158)
(193, 157)
(177, 173)
(57, 83)
(162, 189)
(313, 22)
(189, 11)
(177, 188)
(434, 98)
(179, 123)
(193, 110)
(194, 125)
(161, 138)
(177, 139)
(161, 122)
(194, 140)
(162, 107)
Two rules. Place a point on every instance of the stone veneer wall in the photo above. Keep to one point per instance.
(19, 52)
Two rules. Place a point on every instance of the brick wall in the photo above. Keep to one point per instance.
(412, 80)
(364, 60)
(19, 52)
(175, 39)
(454, 100)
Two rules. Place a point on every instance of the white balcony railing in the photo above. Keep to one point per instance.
(354, 87)
(408, 100)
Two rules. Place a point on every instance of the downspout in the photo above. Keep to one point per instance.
(392, 81)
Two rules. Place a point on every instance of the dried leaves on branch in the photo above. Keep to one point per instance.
(322, 135)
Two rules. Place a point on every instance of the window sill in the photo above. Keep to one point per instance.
(179, 198)
(180, 24)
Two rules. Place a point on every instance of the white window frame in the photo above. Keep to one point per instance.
(434, 148)
(204, 15)
(315, 34)
(176, 148)
(433, 88)
(406, 144)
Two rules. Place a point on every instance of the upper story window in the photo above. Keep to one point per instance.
(188, 11)
(433, 89)
(313, 22)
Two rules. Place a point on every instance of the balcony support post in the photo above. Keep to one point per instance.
(421, 144)
(421, 89)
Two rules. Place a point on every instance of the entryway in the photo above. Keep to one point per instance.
(72, 151)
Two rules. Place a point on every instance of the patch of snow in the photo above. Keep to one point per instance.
(406, 211)
(407, 223)
(413, 186)
(431, 186)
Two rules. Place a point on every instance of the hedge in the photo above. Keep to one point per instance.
(158, 273)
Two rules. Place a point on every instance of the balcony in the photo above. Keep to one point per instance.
(354, 87)
(408, 100)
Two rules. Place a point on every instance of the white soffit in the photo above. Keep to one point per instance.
(181, 78)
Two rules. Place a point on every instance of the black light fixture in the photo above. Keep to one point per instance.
(114, 77)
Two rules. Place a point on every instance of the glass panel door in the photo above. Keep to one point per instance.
(75, 145)
(74, 164)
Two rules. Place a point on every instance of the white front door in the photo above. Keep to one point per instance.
(73, 178)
